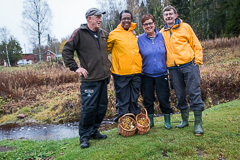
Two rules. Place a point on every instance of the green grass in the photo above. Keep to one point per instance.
(4, 101)
(14, 68)
(220, 141)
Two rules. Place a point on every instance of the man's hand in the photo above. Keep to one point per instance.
(82, 71)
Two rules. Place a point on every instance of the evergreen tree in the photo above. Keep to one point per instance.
(155, 8)
(183, 8)
(143, 11)
(233, 20)
(218, 18)
(209, 18)
(14, 51)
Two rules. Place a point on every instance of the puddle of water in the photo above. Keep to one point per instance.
(46, 131)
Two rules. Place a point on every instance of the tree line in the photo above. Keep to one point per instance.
(10, 49)
(209, 19)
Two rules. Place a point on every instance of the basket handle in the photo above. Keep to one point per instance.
(144, 109)
(129, 114)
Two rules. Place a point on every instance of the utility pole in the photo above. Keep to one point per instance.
(25, 48)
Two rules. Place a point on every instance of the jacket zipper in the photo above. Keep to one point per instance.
(99, 47)
(170, 44)
(101, 53)
(129, 36)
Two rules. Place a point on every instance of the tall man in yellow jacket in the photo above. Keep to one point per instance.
(126, 65)
(184, 55)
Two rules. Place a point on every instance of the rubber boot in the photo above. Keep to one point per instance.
(150, 116)
(184, 115)
(198, 130)
(167, 121)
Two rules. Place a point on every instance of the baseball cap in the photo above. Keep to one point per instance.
(93, 11)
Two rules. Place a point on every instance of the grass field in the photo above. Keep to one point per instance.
(220, 141)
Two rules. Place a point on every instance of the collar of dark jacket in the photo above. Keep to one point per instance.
(177, 24)
(84, 26)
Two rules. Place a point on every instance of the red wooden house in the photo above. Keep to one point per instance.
(28, 58)
(48, 56)
(31, 58)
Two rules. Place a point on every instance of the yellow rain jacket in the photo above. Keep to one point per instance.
(182, 44)
(126, 58)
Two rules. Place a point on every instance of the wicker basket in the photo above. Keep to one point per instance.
(126, 132)
(140, 128)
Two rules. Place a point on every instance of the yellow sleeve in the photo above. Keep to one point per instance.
(110, 42)
(197, 47)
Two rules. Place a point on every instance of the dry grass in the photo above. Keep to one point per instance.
(220, 85)
(52, 93)
(28, 83)
(221, 43)
(221, 70)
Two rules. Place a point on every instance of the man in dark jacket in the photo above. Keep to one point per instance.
(90, 43)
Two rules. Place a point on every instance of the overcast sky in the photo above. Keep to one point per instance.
(67, 16)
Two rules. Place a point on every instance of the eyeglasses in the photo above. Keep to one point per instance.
(146, 24)
(126, 18)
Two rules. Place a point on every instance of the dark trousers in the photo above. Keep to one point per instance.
(148, 86)
(187, 80)
(94, 106)
(127, 93)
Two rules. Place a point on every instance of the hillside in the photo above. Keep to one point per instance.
(50, 93)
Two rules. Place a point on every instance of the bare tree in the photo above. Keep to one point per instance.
(113, 9)
(37, 18)
(4, 37)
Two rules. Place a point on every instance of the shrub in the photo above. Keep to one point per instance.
(219, 75)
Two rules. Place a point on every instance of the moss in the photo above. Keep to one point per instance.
(25, 110)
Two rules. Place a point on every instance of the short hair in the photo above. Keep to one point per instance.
(168, 8)
(147, 17)
(125, 11)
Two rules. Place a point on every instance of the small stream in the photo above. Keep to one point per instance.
(35, 131)
(46, 131)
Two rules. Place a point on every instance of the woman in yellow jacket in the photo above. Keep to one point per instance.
(126, 65)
